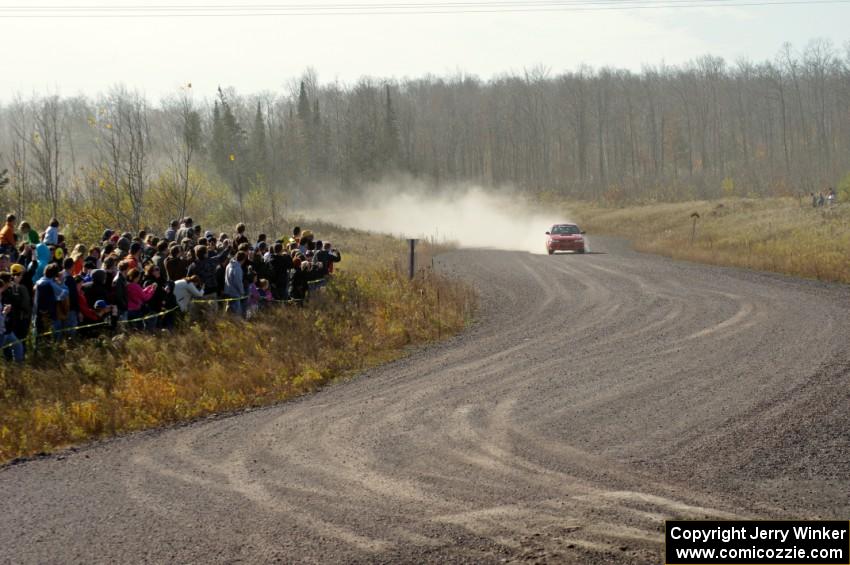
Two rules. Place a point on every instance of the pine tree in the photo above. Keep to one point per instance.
(258, 148)
(232, 158)
(319, 142)
(192, 129)
(304, 105)
(217, 151)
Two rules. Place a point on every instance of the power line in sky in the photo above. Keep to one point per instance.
(368, 5)
(376, 9)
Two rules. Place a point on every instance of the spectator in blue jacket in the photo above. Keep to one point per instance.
(49, 291)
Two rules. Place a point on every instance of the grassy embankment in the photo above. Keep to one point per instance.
(782, 235)
(103, 387)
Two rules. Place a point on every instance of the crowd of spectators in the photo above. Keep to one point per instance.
(821, 199)
(49, 290)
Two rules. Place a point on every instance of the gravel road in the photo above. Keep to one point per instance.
(594, 397)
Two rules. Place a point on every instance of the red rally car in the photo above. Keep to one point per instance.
(565, 237)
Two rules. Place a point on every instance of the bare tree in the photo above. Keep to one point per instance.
(186, 142)
(20, 126)
(126, 146)
(45, 144)
(696, 130)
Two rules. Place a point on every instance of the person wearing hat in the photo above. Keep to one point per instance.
(123, 243)
(18, 296)
(98, 312)
(103, 309)
(13, 348)
(88, 313)
(42, 259)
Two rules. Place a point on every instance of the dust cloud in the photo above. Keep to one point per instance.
(466, 215)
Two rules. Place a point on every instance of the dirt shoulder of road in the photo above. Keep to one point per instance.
(782, 235)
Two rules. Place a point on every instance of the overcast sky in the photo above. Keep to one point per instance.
(256, 53)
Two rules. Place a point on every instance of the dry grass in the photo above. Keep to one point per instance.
(782, 235)
(104, 387)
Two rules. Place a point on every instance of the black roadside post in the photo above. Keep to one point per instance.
(412, 257)
(695, 217)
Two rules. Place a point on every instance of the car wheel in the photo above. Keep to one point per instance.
(550, 251)
(581, 250)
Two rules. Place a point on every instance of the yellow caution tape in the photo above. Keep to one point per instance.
(33, 337)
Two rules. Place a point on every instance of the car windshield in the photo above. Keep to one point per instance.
(565, 230)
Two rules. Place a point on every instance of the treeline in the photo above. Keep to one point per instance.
(705, 129)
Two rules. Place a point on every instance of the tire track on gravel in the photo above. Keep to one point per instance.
(594, 397)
